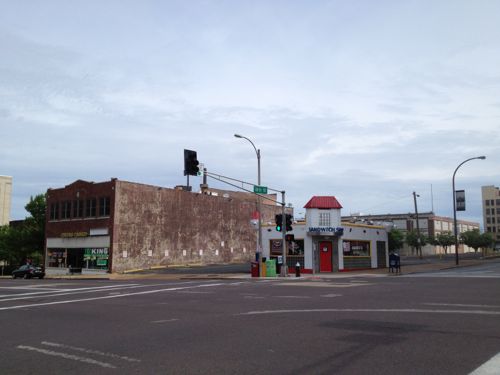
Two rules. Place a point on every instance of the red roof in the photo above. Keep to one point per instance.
(323, 202)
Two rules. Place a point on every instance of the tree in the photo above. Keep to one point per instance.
(445, 240)
(396, 239)
(35, 224)
(26, 240)
(416, 241)
(476, 240)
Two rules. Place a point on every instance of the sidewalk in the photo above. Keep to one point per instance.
(379, 272)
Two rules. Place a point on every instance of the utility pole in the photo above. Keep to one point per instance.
(419, 249)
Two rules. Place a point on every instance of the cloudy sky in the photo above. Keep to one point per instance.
(365, 100)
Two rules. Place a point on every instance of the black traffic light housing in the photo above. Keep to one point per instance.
(279, 221)
(191, 164)
(289, 222)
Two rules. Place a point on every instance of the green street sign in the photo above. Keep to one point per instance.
(260, 189)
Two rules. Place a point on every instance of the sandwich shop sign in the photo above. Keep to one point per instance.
(329, 231)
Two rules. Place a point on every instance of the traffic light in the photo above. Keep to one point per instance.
(279, 220)
(289, 222)
(190, 163)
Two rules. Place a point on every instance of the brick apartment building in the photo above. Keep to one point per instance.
(116, 225)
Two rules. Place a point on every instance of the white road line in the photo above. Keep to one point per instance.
(65, 290)
(90, 351)
(297, 297)
(165, 321)
(66, 356)
(464, 312)
(492, 367)
(33, 293)
(463, 305)
(108, 297)
(85, 290)
(331, 295)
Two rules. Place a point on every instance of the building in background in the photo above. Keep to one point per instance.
(5, 199)
(115, 226)
(491, 212)
(430, 225)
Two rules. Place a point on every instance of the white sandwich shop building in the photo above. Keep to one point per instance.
(325, 244)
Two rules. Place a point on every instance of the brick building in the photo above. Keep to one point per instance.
(115, 226)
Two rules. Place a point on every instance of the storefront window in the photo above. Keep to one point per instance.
(88, 258)
(96, 258)
(57, 258)
(356, 248)
(295, 251)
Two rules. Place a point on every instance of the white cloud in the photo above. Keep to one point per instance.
(367, 101)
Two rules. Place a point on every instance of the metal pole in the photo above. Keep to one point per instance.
(259, 236)
(455, 228)
(419, 249)
(259, 207)
(284, 268)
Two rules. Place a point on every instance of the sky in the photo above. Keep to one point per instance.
(368, 101)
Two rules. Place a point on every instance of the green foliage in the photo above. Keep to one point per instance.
(444, 239)
(476, 240)
(26, 240)
(396, 239)
(416, 241)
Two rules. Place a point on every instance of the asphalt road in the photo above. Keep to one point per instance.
(436, 323)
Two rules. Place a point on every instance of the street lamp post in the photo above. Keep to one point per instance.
(259, 239)
(419, 248)
(455, 228)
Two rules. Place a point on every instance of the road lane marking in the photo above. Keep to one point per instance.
(66, 356)
(323, 284)
(87, 290)
(331, 295)
(297, 297)
(463, 305)
(164, 321)
(420, 311)
(90, 351)
(67, 290)
(491, 367)
(109, 297)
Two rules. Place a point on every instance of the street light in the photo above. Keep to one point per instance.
(419, 249)
(259, 239)
(455, 205)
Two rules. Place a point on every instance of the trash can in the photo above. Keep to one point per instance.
(255, 269)
(271, 268)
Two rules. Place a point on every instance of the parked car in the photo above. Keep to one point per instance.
(28, 271)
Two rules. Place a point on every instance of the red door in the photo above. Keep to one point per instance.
(325, 257)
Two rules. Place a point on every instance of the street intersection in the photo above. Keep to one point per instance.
(437, 322)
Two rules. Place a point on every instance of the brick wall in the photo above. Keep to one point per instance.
(159, 226)
(81, 190)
